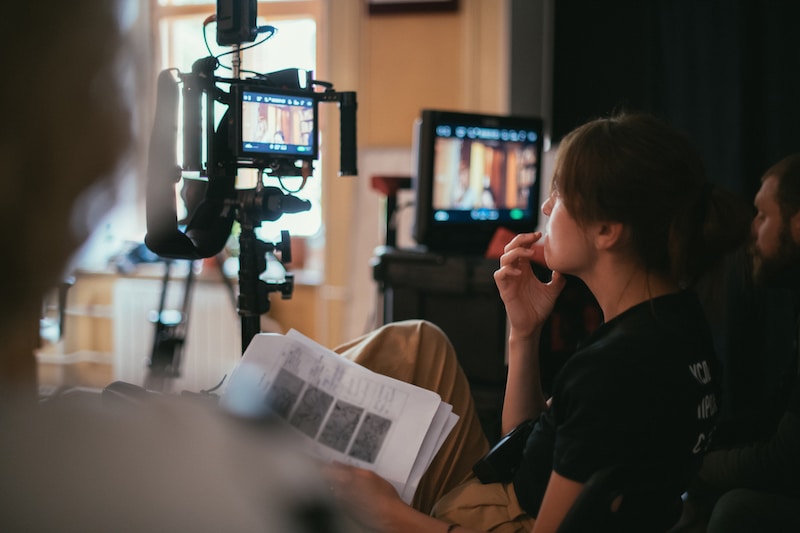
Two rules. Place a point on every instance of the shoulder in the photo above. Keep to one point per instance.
(230, 475)
(656, 345)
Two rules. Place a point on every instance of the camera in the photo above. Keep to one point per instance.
(270, 123)
(274, 125)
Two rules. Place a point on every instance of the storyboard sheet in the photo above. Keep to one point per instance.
(340, 410)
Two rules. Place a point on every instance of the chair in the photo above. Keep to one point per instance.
(592, 510)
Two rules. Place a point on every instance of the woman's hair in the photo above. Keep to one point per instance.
(635, 169)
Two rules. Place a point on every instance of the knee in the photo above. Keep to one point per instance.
(415, 324)
(417, 331)
(432, 337)
(736, 510)
(425, 346)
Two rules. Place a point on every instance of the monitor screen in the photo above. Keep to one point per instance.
(275, 124)
(475, 173)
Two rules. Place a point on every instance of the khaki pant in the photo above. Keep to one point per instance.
(419, 352)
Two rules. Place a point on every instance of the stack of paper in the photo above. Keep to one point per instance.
(343, 411)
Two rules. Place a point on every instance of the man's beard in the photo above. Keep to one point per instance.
(780, 270)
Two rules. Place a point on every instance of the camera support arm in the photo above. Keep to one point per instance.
(209, 225)
(255, 206)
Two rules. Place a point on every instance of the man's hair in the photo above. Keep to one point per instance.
(787, 170)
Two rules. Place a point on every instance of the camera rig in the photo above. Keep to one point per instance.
(271, 125)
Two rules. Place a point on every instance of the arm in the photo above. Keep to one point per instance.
(524, 399)
(528, 303)
(774, 464)
(374, 503)
(559, 497)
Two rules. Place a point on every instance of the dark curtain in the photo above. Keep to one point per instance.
(727, 74)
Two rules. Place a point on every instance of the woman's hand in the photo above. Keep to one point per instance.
(369, 497)
(528, 301)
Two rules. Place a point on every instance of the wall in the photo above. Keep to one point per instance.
(398, 64)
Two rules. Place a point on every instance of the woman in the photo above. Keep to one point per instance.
(632, 215)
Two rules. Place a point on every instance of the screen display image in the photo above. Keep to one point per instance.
(476, 173)
(278, 125)
(483, 173)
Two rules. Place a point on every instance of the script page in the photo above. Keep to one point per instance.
(342, 411)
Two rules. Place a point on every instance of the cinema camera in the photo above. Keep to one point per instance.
(270, 124)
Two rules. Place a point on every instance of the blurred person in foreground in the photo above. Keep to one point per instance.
(75, 463)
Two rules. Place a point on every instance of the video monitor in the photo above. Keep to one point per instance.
(475, 173)
(275, 124)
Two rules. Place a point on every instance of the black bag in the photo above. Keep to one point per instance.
(501, 462)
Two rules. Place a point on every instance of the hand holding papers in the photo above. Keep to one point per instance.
(342, 411)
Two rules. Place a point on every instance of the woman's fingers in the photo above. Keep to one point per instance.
(523, 239)
(537, 256)
(526, 246)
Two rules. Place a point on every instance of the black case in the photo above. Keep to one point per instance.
(502, 461)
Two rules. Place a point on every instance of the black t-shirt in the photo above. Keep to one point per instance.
(638, 394)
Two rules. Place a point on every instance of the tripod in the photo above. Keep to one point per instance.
(290, 97)
(170, 333)
(253, 207)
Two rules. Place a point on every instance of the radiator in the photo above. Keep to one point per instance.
(213, 338)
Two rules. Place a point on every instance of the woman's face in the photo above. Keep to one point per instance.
(566, 243)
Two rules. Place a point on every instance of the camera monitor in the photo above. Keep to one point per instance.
(276, 124)
(475, 173)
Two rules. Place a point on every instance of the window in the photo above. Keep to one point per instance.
(183, 39)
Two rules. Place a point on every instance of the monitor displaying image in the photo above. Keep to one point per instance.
(278, 124)
(475, 174)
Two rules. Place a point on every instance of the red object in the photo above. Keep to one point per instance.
(501, 237)
(389, 185)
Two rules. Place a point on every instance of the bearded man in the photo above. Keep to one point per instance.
(756, 486)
